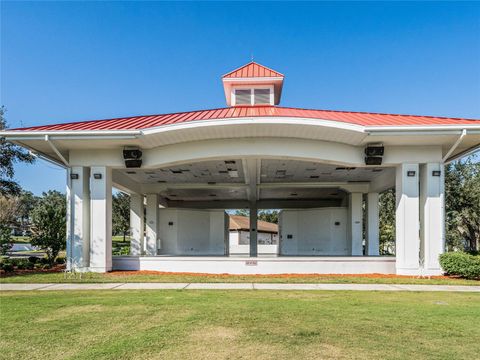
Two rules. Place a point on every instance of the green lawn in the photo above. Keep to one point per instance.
(136, 277)
(189, 324)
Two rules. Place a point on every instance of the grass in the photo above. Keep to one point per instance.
(46, 277)
(188, 324)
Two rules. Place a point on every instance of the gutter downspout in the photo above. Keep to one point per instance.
(54, 148)
(454, 146)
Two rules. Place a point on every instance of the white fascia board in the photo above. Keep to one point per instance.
(40, 134)
(272, 120)
(252, 79)
(422, 130)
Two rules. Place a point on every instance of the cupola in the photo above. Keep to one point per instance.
(253, 85)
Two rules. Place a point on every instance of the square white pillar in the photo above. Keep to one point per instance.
(69, 220)
(355, 223)
(101, 219)
(136, 224)
(80, 218)
(373, 225)
(407, 240)
(253, 229)
(432, 224)
(151, 224)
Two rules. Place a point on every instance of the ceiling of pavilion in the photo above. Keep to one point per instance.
(271, 171)
(283, 175)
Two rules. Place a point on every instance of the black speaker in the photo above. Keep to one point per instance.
(374, 150)
(133, 163)
(373, 160)
(130, 154)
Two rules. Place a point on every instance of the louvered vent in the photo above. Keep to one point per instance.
(262, 96)
(242, 97)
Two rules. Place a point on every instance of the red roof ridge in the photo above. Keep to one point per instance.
(378, 113)
(230, 115)
(250, 63)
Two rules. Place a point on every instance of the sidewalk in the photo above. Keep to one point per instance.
(235, 286)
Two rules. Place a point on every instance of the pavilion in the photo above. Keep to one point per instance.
(324, 169)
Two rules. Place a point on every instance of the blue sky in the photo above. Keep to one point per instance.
(69, 61)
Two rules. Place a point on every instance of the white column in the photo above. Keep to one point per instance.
(407, 220)
(101, 219)
(79, 218)
(253, 230)
(151, 224)
(136, 224)
(373, 225)
(355, 223)
(68, 195)
(432, 224)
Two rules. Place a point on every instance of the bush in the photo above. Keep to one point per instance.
(7, 267)
(461, 264)
(20, 263)
(33, 259)
(60, 260)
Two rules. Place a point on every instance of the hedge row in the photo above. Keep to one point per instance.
(461, 264)
(9, 264)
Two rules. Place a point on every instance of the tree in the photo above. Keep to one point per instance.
(270, 216)
(121, 214)
(9, 155)
(462, 204)
(49, 224)
(8, 214)
(387, 222)
(27, 202)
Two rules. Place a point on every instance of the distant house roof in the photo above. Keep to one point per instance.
(150, 121)
(238, 222)
(251, 70)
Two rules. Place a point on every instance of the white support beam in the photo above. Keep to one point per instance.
(361, 187)
(432, 222)
(253, 229)
(151, 225)
(355, 223)
(81, 218)
(101, 219)
(136, 224)
(124, 183)
(407, 220)
(373, 225)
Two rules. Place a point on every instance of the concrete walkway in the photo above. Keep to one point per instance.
(235, 286)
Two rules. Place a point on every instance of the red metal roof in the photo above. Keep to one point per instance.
(149, 121)
(252, 69)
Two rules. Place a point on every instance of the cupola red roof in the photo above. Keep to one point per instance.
(252, 70)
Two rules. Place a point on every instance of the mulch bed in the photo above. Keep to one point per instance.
(54, 269)
(372, 276)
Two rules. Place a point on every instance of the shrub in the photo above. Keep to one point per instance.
(60, 260)
(33, 259)
(6, 264)
(461, 264)
(20, 263)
